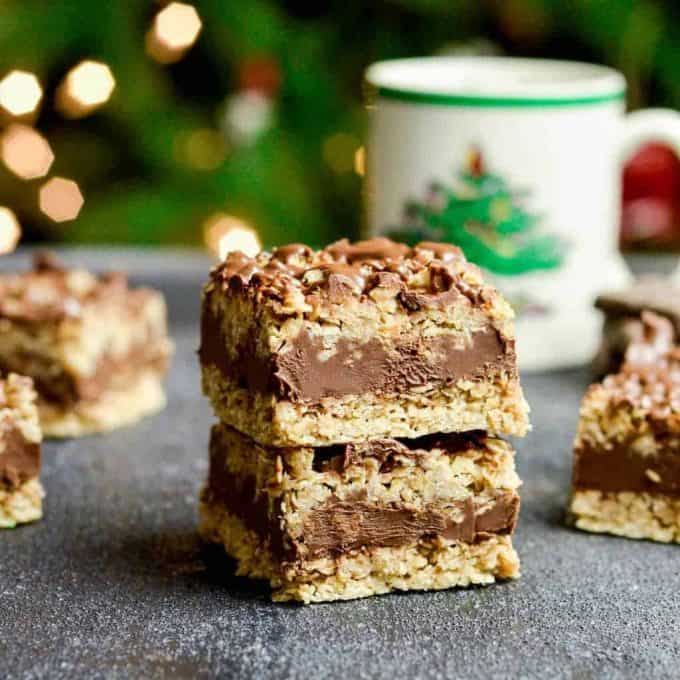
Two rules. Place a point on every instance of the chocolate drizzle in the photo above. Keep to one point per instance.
(650, 376)
(346, 269)
(340, 457)
(51, 293)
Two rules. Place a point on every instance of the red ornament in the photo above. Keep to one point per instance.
(651, 197)
(261, 74)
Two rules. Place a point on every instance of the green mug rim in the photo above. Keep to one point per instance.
(441, 99)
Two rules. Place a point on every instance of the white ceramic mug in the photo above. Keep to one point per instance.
(518, 161)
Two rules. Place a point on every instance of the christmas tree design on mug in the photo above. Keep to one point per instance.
(484, 217)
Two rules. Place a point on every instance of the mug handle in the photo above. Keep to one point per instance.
(650, 125)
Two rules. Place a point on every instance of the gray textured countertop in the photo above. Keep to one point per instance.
(114, 583)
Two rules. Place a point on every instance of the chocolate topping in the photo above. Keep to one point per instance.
(19, 458)
(651, 293)
(650, 376)
(340, 457)
(346, 269)
(621, 469)
(297, 373)
(50, 292)
(623, 325)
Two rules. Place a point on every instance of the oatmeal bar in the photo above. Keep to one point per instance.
(358, 341)
(626, 478)
(97, 350)
(347, 521)
(20, 491)
(623, 324)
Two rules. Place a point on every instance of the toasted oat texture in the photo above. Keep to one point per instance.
(433, 564)
(287, 513)
(634, 515)
(85, 341)
(21, 505)
(20, 491)
(357, 341)
(466, 405)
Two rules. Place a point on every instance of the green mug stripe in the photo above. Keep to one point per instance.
(492, 102)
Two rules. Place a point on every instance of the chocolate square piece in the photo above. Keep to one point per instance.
(353, 520)
(358, 341)
(623, 324)
(96, 349)
(626, 478)
(20, 491)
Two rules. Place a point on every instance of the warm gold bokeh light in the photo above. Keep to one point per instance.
(25, 152)
(85, 88)
(338, 151)
(60, 199)
(20, 93)
(10, 231)
(174, 30)
(360, 161)
(224, 233)
(202, 149)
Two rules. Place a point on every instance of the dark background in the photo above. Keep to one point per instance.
(261, 118)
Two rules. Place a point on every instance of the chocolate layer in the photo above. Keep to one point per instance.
(297, 373)
(619, 469)
(338, 526)
(19, 458)
(56, 386)
(342, 526)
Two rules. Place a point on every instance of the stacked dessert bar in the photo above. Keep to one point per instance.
(96, 349)
(21, 493)
(361, 391)
(626, 478)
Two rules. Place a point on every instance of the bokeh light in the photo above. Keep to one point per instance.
(202, 149)
(85, 88)
(10, 231)
(174, 30)
(338, 151)
(224, 233)
(20, 93)
(360, 161)
(25, 152)
(60, 199)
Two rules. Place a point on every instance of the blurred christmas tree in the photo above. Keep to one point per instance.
(157, 122)
(483, 216)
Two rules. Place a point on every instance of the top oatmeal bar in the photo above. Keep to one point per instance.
(358, 341)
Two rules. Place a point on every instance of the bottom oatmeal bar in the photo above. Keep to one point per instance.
(348, 521)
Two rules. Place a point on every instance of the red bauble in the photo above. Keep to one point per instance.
(651, 197)
(261, 74)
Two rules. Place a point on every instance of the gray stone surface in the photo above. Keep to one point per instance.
(114, 583)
